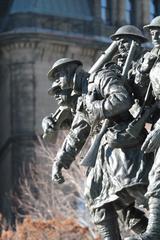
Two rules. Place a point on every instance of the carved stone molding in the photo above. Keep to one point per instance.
(88, 52)
(39, 49)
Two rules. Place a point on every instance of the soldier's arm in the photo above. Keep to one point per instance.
(115, 97)
(152, 142)
(74, 141)
(59, 120)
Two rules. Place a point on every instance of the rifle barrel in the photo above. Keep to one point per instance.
(105, 57)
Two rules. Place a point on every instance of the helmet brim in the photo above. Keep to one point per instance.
(50, 72)
(141, 38)
(151, 26)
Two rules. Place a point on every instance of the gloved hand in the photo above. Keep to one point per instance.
(57, 172)
(47, 124)
(152, 141)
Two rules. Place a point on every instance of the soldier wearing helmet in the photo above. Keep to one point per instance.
(152, 142)
(148, 60)
(113, 160)
(154, 28)
(124, 36)
(61, 74)
(68, 81)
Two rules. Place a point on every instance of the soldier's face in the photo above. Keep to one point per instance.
(61, 79)
(61, 87)
(124, 45)
(63, 97)
(155, 35)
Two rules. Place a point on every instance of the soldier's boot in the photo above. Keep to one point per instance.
(109, 232)
(135, 219)
(106, 223)
(153, 229)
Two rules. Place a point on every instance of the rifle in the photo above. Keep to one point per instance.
(136, 126)
(106, 56)
(91, 156)
(129, 59)
(62, 113)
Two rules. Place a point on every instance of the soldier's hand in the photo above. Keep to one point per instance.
(50, 132)
(57, 172)
(47, 124)
(152, 141)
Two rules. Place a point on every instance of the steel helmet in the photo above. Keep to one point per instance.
(59, 63)
(155, 23)
(129, 30)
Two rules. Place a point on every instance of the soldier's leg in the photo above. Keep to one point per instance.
(153, 229)
(105, 219)
(133, 217)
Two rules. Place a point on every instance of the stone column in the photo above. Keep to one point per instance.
(145, 12)
(22, 94)
(97, 21)
(121, 13)
(114, 4)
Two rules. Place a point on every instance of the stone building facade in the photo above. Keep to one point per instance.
(34, 34)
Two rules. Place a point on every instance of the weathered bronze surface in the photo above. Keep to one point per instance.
(121, 173)
(151, 64)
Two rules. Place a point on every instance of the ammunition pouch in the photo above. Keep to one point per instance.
(117, 137)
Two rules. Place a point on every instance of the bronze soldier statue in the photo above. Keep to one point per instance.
(115, 101)
(66, 92)
(152, 142)
(121, 171)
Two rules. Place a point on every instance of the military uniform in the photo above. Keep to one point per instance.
(80, 127)
(153, 190)
(154, 176)
(121, 171)
(117, 168)
(152, 142)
